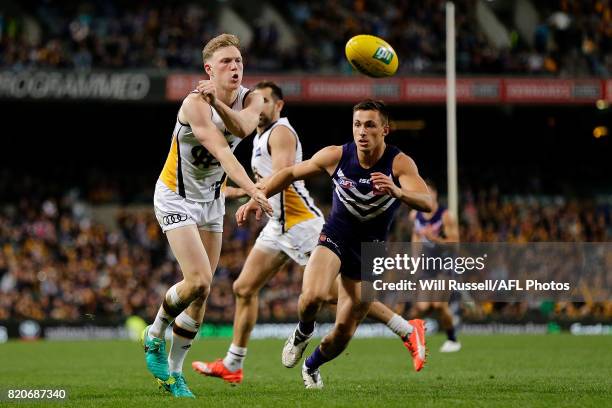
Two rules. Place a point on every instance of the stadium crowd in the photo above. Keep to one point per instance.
(573, 37)
(57, 263)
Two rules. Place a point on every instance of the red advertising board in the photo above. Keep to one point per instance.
(317, 89)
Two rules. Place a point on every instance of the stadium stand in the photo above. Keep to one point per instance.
(56, 262)
(571, 38)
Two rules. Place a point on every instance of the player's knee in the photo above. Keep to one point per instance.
(332, 301)
(198, 288)
(243, 290)
(313, 299)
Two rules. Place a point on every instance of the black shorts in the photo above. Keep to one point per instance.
(349, 253)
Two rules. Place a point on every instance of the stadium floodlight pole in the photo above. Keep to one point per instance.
(451, 112)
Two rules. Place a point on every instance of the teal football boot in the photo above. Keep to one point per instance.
(156, 358)
(179, 387)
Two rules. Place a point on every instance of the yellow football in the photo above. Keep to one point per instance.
(371, 56)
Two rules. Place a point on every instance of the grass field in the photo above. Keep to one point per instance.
(515, 371)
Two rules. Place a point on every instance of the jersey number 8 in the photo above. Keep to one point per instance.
(203, 158)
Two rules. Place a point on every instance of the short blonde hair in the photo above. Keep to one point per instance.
(220, 41)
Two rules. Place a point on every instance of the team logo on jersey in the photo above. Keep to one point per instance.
(364, 181)
(346, 182)
(258, 152)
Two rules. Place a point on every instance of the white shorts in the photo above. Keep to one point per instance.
(297, 243)
(173, 211)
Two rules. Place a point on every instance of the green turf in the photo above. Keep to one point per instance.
(521, 371)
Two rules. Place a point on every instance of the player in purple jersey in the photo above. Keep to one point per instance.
(436, 227)
(366, 174)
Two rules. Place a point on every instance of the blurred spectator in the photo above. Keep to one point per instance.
(573, 38)
(57, 263)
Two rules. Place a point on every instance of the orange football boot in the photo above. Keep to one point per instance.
(415, 343)
(217, 369)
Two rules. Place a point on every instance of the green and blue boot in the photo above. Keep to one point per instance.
(156, 358)
(179, 387)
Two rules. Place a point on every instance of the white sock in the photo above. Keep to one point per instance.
(399, 325)
(234, 358)
(163, 319)
(184, 331)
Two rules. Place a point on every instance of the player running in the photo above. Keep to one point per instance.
(189, 204)
(364, 173)
(291, 234)
(437, 227)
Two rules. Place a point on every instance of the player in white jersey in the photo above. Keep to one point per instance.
(189, 204)
(292, 233)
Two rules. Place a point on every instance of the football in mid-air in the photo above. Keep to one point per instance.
(372, 56)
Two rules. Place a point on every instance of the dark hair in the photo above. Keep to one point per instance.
(277, 92)
(373, 105)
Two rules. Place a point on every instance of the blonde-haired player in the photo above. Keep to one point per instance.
(189, 204)
(291, 234)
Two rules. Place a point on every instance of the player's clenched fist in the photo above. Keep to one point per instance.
(208, 90)
(384, 185)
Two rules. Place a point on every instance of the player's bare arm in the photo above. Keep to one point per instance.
(325, 160)
(242, 123)
(282, 144)
(196, 112)
(412, 190)
(232, 193)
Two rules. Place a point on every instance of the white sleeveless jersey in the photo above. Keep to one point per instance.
(190, 170)
(294, 204)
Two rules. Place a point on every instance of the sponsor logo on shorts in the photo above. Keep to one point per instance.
(170, 219)
(325, 238)
(346, 183)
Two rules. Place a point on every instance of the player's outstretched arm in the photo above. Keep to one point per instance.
(197, 114)
(234, 192)
(412, 189)
(325, 160)
(242, 123)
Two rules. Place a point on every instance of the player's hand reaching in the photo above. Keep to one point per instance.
(208, 91)
(262, 201)
(258, 203)
(243, 212)
(383, 184)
